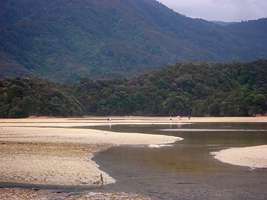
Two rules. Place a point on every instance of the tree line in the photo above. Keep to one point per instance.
(197, 89)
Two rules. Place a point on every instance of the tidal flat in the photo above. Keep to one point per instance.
(138, 158)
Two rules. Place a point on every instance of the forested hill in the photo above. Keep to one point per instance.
(200, 89)
(65, 40)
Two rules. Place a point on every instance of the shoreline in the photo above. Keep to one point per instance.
(62, 156)
(53, 150)
(253, 157)
(128, 120)
(30, 194)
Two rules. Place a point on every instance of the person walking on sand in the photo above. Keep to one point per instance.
(109, 122)
(101, 180)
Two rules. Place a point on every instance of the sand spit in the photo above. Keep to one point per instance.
(253, 157)
(96, 121)
(61, 156)
(22, 194)
(80, 136)
(40, 163)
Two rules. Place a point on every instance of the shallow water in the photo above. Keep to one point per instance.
(187, 170)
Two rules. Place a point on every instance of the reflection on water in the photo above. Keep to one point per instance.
(214, 130)
(193, 153)
(188, 164)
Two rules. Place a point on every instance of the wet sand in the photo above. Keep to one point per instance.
(56, 151)
(26, 194)
(50, 164)
(61, 157)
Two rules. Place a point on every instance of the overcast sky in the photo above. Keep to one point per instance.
(222, 10)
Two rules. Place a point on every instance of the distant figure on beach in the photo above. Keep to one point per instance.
(171, 122)
(101, 180)
(179, 117)
(189, 114)
(109, 120)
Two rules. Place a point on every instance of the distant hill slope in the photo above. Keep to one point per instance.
(64, 40)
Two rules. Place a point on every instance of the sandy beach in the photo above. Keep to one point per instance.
(100, 121)
(44, 163)
(31, 152)
(61, 156)
(27, 194)
(253, 157)
(56, 151)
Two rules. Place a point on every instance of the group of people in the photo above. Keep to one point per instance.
(180, 118)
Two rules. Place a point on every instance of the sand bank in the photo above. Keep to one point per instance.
(253, 157)
(23, 194)
(96, 121)
(91, 121)
(47, 151)
(61, 156)
(80, 136)
(50, 164)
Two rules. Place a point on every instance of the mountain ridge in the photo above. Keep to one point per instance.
(65, 40)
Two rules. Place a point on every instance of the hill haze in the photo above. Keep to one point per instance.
(65, 40)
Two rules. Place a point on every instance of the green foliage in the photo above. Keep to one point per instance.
(26, 97)
(67, 40)
(200, 89)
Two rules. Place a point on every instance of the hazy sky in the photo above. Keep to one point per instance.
(223, 10)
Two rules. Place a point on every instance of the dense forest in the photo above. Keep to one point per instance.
(64, 41)
(197, 89)
(32, 96)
